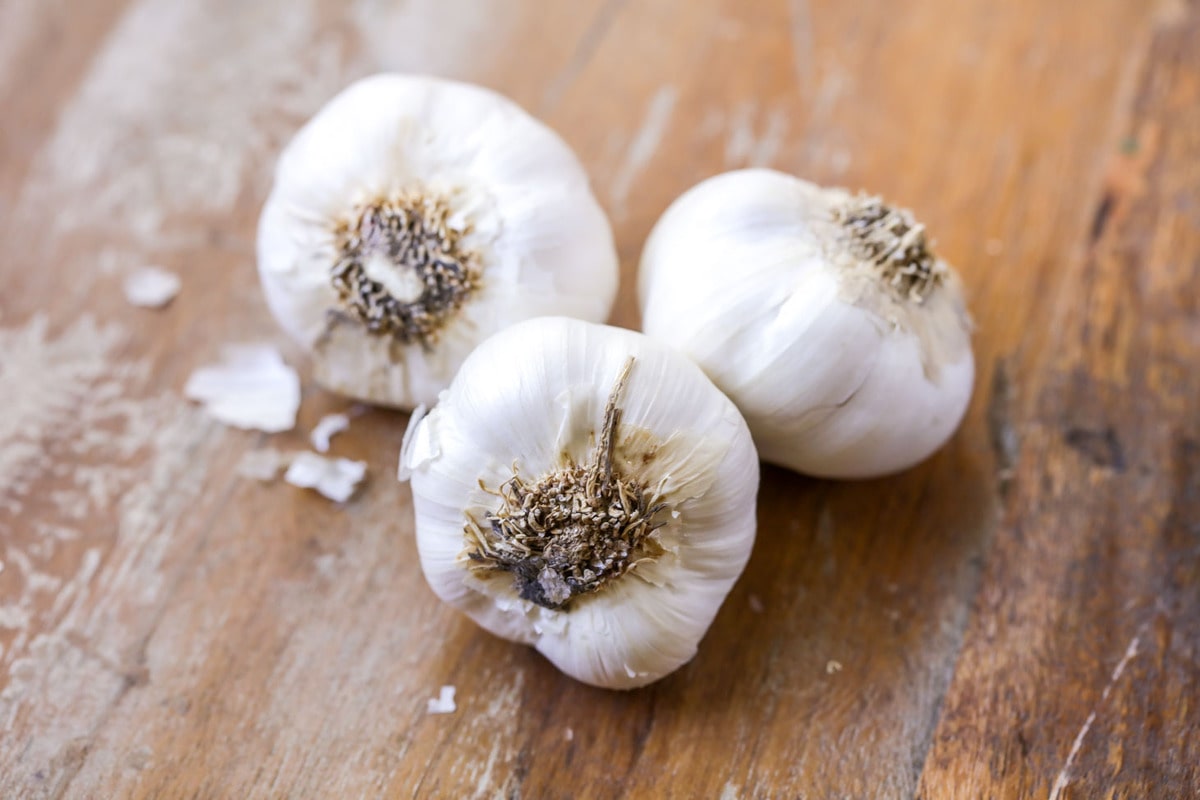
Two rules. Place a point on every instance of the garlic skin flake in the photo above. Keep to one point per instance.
(251, 388)
(823, 315)
(413, 217)
(585, 490)
(443, 703)
(335, 478)
(326, 428)
(151, 287)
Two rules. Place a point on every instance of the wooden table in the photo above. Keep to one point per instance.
(1017, 617)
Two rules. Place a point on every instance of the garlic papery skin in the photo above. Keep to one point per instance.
(413, 217)
(823, 315)
(585, 490)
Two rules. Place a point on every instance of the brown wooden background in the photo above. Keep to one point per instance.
(1018, 617)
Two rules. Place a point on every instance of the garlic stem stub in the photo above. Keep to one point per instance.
(585, 490)
(825, 316)
(413, 217)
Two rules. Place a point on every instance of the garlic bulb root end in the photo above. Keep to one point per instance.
(894, 243)
(574, 529)
(402, 269)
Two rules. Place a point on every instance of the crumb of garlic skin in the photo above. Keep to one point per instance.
(832, 666)
(151, 287)
(443, 703)
(335, 478)
(329, 426)
(251, 388)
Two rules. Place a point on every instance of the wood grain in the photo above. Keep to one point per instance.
(1017, 617)
(1079, 672)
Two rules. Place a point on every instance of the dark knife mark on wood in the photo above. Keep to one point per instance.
(1101, 447)
(1101, 218)
(1003, 436)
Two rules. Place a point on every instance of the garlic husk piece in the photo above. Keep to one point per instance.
(823, 315)
(413, 217)
(536, 400)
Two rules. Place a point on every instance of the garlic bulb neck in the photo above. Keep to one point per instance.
(402, 269)
(572, 531)
(895, 243)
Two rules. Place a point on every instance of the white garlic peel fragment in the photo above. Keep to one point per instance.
(251, 388)
(443, 703)
(508, 226)
(846, 361)
(151, 287)
(326, 428)
(541, 392)
(335, 478)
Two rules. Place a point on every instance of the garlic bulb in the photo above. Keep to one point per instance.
(585, 490)
(823, 315)
(413, 217)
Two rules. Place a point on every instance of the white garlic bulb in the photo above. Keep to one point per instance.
(823, 315)
(413, 217)
(585, 490)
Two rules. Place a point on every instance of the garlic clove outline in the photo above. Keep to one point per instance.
(411, 218)
(534, 401)
(823, 315)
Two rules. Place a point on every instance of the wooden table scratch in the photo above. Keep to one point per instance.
(1017, 617)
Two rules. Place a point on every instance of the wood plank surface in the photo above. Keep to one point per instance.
(1017, 617)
